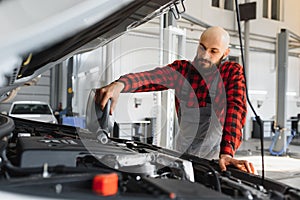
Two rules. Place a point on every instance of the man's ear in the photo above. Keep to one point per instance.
(225, 56)
(226, 53)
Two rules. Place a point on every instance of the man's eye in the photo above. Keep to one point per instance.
(201, 47)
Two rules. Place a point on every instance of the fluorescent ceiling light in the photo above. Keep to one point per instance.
(262, 92)
(81, 74)
(293, 94)
(93, 70)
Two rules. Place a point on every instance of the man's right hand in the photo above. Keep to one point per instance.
(111, 91)
(242, 165)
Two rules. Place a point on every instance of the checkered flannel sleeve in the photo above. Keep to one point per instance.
(236, 107)
(160, 78)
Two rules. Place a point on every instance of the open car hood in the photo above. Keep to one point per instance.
(35, 35)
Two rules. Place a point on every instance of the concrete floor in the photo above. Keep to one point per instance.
(285, 168)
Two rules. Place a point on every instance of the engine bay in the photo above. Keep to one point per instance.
(61, 161)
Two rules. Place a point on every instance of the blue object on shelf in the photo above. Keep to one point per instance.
(74, 121)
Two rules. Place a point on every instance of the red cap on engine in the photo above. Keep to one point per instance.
(106, 184)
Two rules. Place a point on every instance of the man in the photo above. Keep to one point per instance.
(210, 99)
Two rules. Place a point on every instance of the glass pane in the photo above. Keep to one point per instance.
(275, 12)
(265, 8)
(228, 5)
(215, 3)
(31, 109)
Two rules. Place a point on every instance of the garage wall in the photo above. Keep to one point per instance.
(88, 74)
(293, 107)
(263, 78)
(202, 9)
(134, 53)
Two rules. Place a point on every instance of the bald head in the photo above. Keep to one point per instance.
(218, 34)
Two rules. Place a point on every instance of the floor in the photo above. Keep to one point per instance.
(283, 168)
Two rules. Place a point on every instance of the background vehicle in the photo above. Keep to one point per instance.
(32, 110)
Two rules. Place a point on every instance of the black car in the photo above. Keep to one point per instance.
(42, 160)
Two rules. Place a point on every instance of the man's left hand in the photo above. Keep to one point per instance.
(243, 165)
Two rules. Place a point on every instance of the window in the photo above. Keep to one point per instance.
(215, 3)
(234, 59)
(228, 5)
(272, 9)
(26, 109)
(224, 4)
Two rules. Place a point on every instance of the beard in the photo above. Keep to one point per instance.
(203, 65)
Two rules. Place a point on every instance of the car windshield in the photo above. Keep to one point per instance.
(42, 109)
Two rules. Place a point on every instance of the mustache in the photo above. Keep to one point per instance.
(197, 59)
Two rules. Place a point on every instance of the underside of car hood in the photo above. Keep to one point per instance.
(27, 59)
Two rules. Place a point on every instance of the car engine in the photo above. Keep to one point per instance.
(61, 161)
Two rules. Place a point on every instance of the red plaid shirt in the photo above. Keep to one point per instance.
(173, 76)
